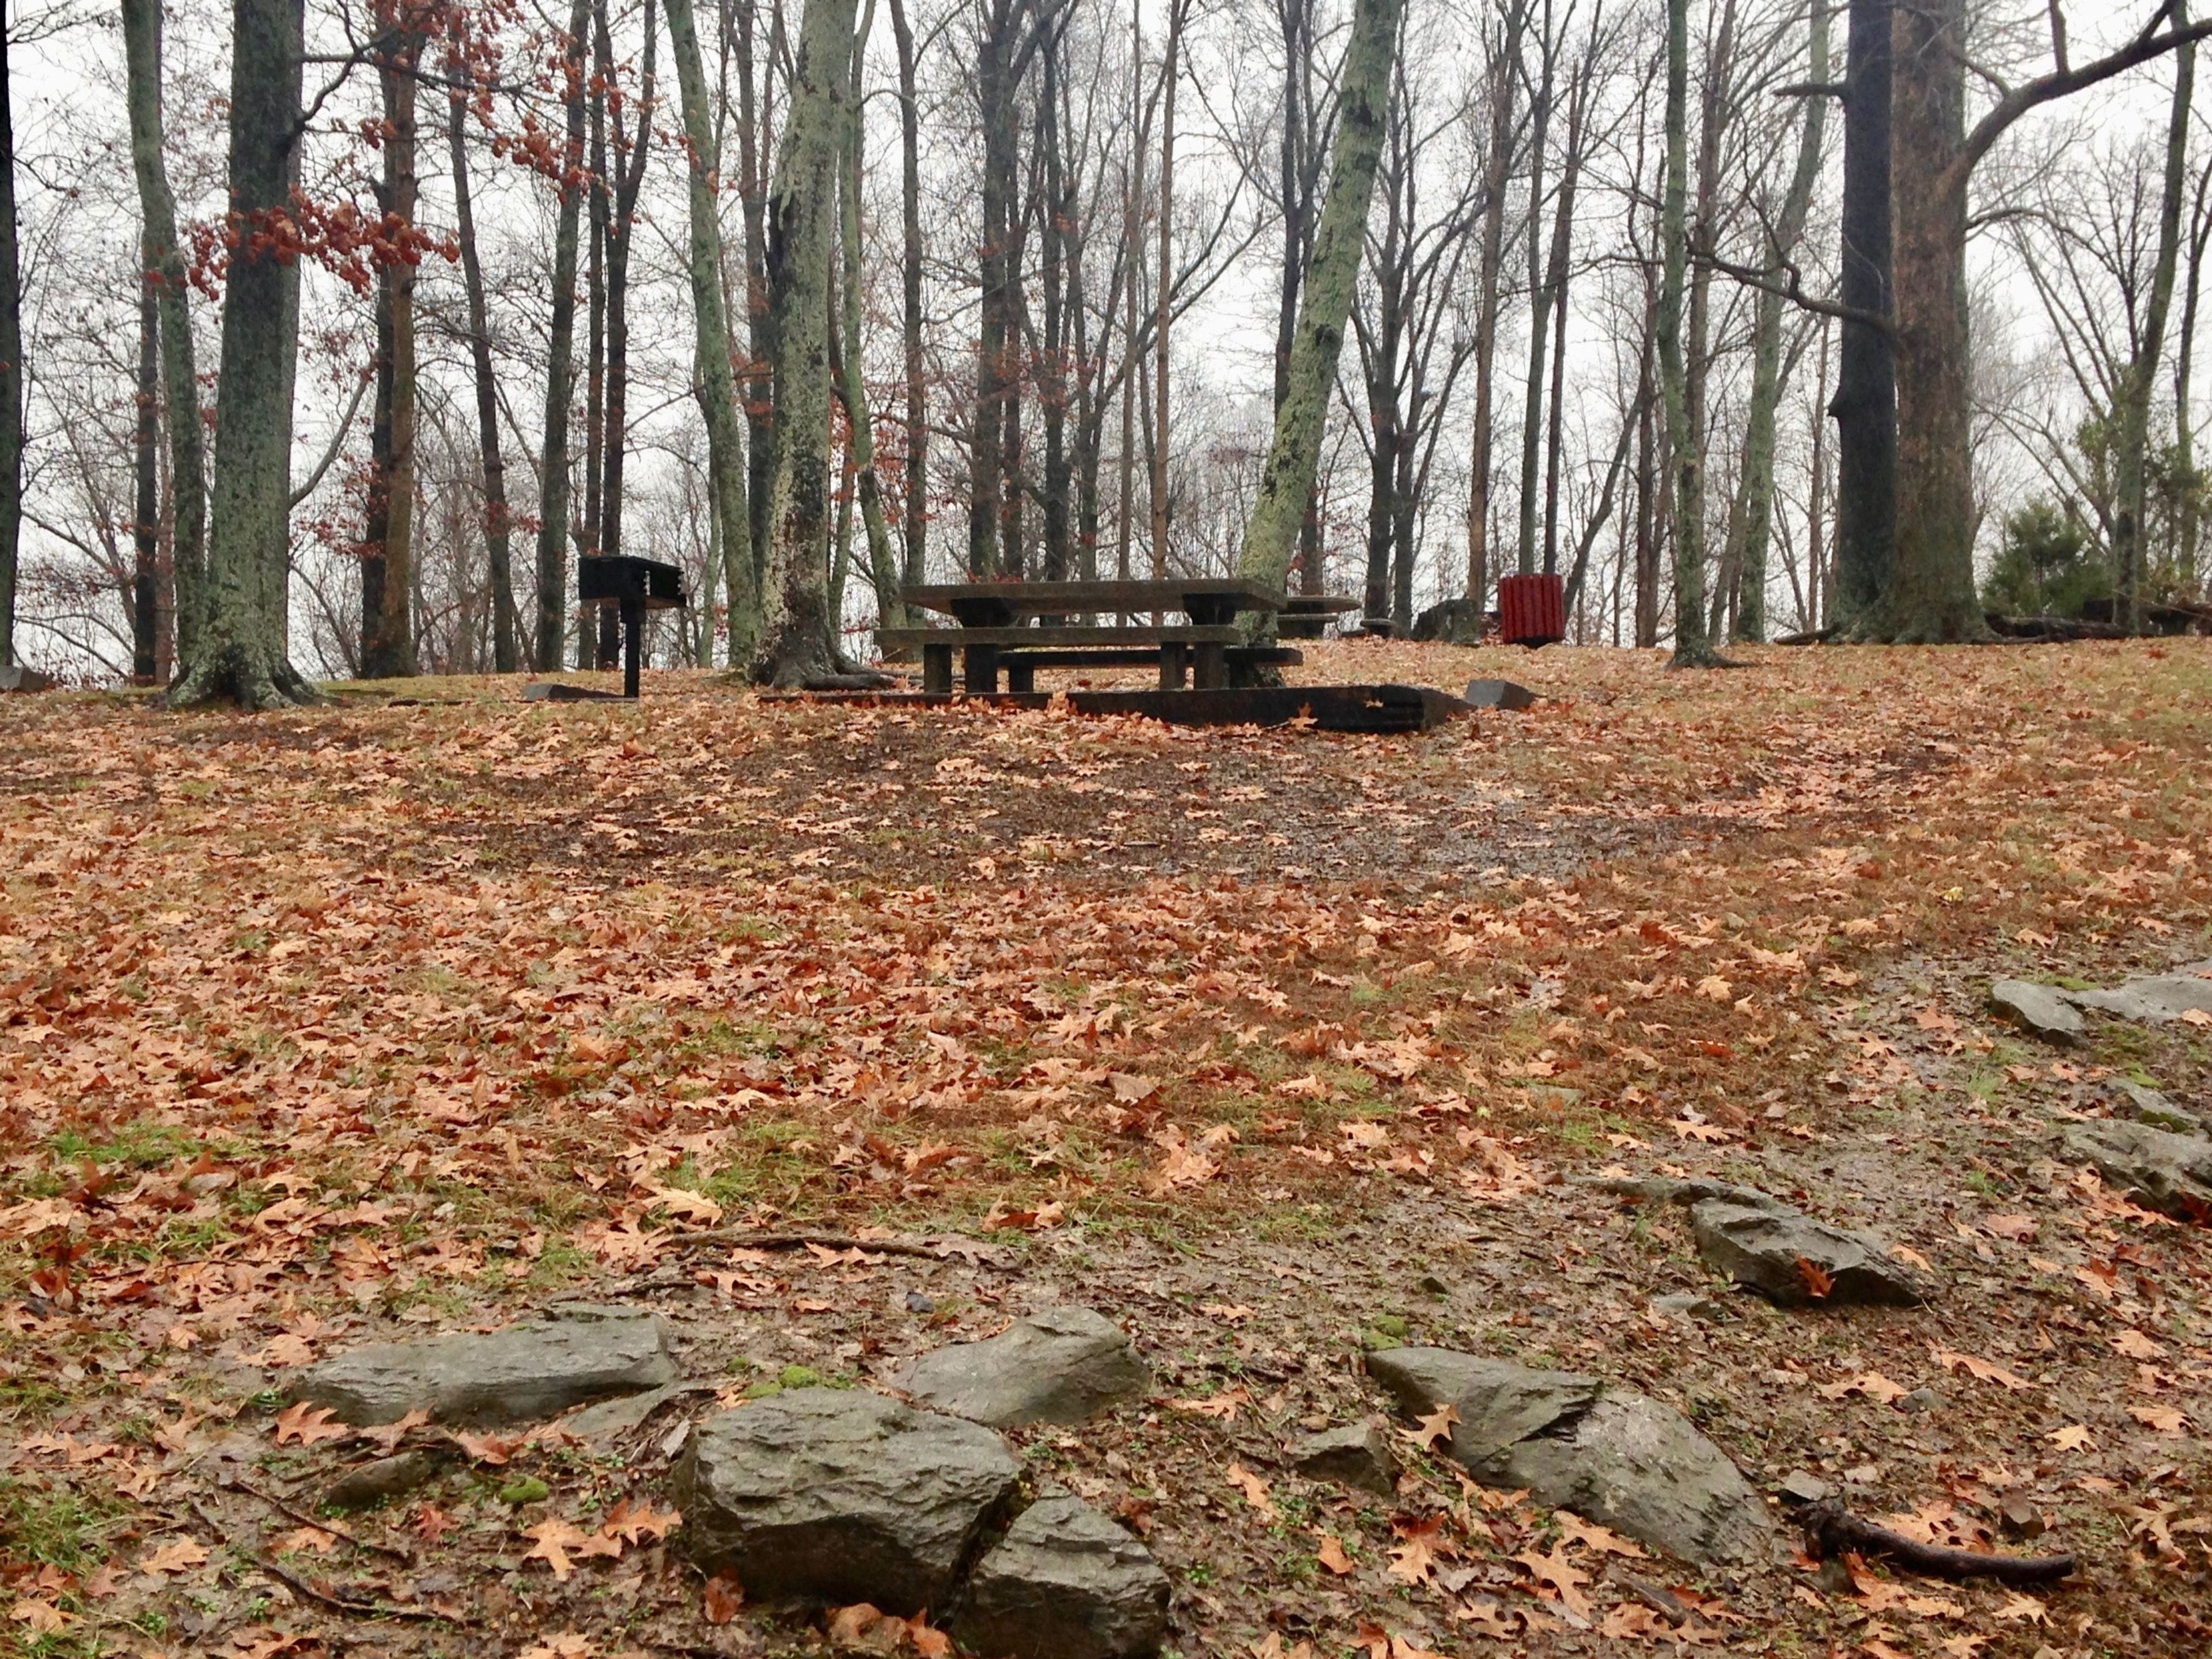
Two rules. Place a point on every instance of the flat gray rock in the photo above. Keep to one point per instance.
(1356, 1456)
(1762, 1248)
(2150, 1106)
(1498, 1403)
(1610, 1454)
(1065, 1582)
(2156, 999)
(2156, 1168)
(2042, 1010)
(840, 1496)
(526, 1373)
(1059, 1367)
(1500, 694)
(1665, 1189)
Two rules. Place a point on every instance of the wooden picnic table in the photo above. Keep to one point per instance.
(1020, 627)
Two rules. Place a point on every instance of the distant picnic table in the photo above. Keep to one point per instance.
(1021, 627)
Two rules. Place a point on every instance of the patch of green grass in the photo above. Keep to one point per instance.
(57, 1526)
(141, 1144)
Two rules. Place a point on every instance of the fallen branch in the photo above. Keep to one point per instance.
(359, 1609)
(335, 1529)
(932, 1249)
(1833, 1531)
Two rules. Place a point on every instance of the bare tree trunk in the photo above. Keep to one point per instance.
(146, 506)
(598, 631)
(239, 651)
(388, 573)
(1286, 483)
(1767, 349)
(1132, 191)
(853, 385)
(1304, 142)
(498, 520)
(628, 181)
(11, 366)
(1647, 478)
(1692, 648)
(711, 353)
(1931, 596)
(1540, 299)
(797, 643)
(1819, 561)
(1164, 297)
(164, 275)
(560, 374)
(1503, 77)
(1865, 406)
(2141, 377)
(915, 508)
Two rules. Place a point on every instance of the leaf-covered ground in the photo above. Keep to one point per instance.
(387, 1019)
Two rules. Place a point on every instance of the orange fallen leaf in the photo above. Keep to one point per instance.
(1436, 1425)
(724, 1596)
(1255, 1492)
(1331, 1555)
(306, 1424)
(179, 1556)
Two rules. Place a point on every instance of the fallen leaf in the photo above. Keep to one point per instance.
(40, 1618)
(1436, 1425)
(307, 1424)
(2075, 1437)
(1331, 1555)
(176, 1557)
(2135, 1346)
(723, 1598)
(1255, 1492)
(1566, 1580)
(1981, 1370)
(301, 1538)
(1819, 1281)
(2165, 1419)
(1573, 1530)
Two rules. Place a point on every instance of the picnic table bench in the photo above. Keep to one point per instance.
(1021, 627)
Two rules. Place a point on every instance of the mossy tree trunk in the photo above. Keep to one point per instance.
(1767, 349)
(238, 651)
(1693, 649)
(717, 384)
(796, 642)
(559, 366)
(1286, 483)
(164, 275)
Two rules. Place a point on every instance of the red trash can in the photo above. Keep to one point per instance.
(1532, 611)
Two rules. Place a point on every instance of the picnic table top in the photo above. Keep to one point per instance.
(1016, 636)
(1055, 599)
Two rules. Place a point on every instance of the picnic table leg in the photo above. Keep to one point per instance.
(982, 669)
(1021, 677)
(936, 669)
(1211, 666)
(1173, 655)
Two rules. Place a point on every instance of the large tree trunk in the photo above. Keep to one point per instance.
(994, 90)
(717, 383)
(853, 385)
(1540, 299)
(915, 508)
(1504, 81)
(12, 367)
(1692, 648)
(1053, 223)
(387, 642)
(1766, 351)
(239, 651)
(599, 636)
(146, 506)
(1865, 404)
(1164, 291)
(2140, 376)
(1286, 483)
(165, 274)
(560, 369)
(1931, 596)
(1305, 141)
(498, 521)
(797, 642)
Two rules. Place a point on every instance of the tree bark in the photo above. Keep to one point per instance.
(239, 653)
(498, 520)
(1767, 349)
(164, 275)
(914, 508)
(1540, 300)
(1865, 404)
(1931, 597)
(2140, 376)
(1497, 171)
(797, 639)
(853, 385)
(717, 382)
(1286, 482)
(1163, 293)
(388, 630)
(11, 366)
(1692, 648)
(146, 506)
(559, 374)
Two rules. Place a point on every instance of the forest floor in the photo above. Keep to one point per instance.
(380, 1019)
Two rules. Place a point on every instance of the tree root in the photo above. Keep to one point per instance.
(1833, 1531)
